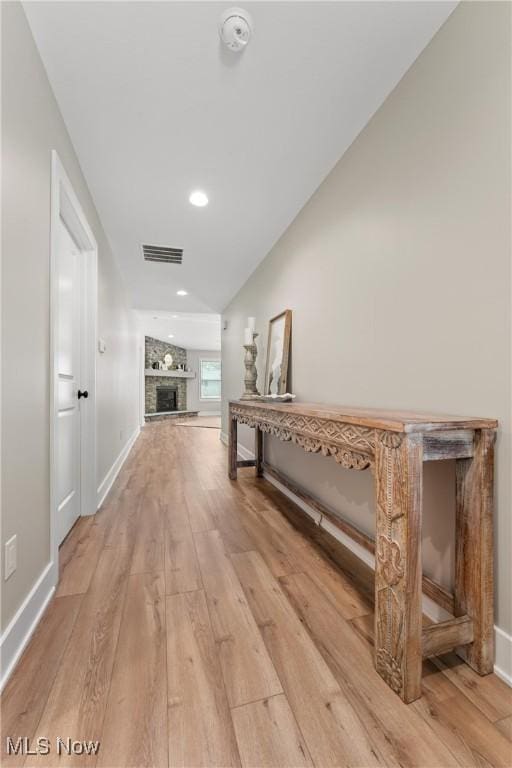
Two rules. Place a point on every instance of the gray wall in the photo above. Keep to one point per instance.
(32, 126)
(398, 274)
(193, 385)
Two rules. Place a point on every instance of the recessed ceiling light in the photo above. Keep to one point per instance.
(171, 336)
(181, 293)
(198, 198)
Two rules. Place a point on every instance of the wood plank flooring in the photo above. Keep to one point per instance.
(204, 623)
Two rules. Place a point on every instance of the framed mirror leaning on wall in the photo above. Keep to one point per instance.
(278, 351)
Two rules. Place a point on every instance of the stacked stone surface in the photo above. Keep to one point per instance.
(155, 351)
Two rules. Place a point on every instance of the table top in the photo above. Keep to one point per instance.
(375, 418)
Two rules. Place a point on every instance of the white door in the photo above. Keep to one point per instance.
(67, 349)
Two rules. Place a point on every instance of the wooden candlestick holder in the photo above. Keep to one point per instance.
(251, 374)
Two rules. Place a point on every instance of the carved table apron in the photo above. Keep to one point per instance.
(394, 445)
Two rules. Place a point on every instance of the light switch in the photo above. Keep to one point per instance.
(102, 347)
(10, 557)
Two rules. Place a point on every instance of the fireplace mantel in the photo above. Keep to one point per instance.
(172, 374)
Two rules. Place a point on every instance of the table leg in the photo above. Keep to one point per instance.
(398, 614)
(474, 549)
(258, 451)
(233, 447)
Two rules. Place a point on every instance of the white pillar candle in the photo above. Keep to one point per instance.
(247, 336)
(251, 322)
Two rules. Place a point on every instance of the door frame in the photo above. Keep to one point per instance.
(66, 206)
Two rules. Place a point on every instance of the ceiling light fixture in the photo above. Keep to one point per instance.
(198, 198)
(181, 293)
(171, 336)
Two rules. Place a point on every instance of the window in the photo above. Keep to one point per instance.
(210, 379)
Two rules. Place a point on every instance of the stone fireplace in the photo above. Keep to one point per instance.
(164, 393)
(154, 383)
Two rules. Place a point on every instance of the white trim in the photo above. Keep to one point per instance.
(503, 663)
(208, 413)
(108, 481)
(65, 205)
(244, 452)
(142, 379)
(21, 627)
(430, 608)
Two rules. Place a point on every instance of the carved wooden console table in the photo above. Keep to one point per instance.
(395, 445)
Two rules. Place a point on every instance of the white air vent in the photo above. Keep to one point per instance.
(163, 254)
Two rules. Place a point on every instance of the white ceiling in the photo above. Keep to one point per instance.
(192, 331)
(156, 108)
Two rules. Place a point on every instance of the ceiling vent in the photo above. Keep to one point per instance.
(162, 254)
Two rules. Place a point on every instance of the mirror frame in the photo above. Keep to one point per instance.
(283, 380)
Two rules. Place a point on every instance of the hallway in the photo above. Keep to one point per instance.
(195, 624)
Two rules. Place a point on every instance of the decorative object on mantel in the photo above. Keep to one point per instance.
(278, 352)
(167, 362)
(396, 444)
(251, 352)
(286, 398)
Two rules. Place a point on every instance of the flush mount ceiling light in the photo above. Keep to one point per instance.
(235, 29)
(181, 293)
(171, 336)
(198, 198)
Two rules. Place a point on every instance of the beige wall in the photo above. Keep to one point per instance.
(398, 274)
(194, 402)
(32, 126)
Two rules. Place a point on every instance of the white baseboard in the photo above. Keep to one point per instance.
(245, 453)
(21, 627)
(503, 663)
(208, 413)
(108, 481)
(28, 615)
(430, 608)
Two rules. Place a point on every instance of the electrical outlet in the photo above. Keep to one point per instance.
(10, 557)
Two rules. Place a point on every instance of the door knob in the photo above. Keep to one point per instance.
(83, 394)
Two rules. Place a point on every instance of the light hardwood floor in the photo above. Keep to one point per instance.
(200, 622)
